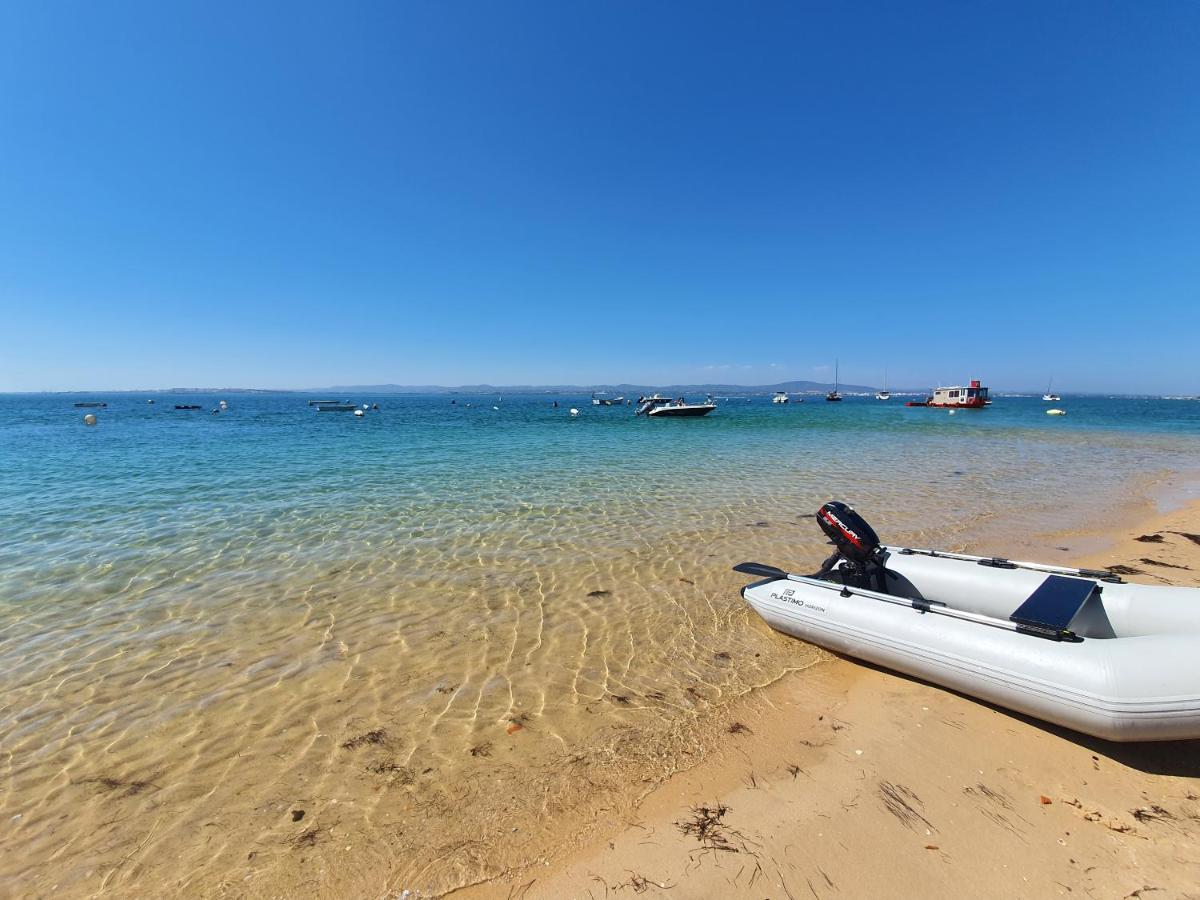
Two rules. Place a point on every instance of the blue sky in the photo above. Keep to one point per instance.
(292, 195)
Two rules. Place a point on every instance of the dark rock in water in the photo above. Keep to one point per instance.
(297, 815)
(599, 593)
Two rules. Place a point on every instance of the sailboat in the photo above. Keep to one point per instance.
(884, 394)
(834, 395)
(1049, 397)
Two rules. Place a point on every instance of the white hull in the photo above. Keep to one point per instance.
(1132, 674)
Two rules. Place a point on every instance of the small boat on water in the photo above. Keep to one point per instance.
(1077, 647)
(833, 396)
(884, 394)
(958, 397)
(320, 402)
(780, 397)
(607, 401)
(187, 406)
(1049, 396)
(93, 404)
(661, 407)
(336, 406)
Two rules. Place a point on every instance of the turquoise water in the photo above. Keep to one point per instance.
(214, 606)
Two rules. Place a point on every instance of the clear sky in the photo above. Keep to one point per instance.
(295, 195)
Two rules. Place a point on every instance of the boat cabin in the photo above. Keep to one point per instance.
(973, 396)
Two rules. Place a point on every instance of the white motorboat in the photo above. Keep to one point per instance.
(1076, 647)
(601, 400)
(780, 397)
(661, 407)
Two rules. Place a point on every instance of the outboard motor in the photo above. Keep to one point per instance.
(857, 547)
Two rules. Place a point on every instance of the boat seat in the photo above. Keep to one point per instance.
(1054, 604)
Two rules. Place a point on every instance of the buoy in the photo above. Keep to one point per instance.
(366, 406)
(1056, 412)
(89, 419)
(574, 411)
(496, 408)
(953, 411)
(149, 401)
(358, 413)
(223, 405)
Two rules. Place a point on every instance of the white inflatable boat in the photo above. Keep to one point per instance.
(1076, 647)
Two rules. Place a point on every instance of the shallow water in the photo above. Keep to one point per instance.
(275, 650)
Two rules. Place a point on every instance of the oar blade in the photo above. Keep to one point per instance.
(760, 569)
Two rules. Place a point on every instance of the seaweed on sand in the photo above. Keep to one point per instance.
(374, 736)
(128, 787)
(707, 826)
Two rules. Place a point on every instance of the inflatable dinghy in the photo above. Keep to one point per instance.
(1076, 647)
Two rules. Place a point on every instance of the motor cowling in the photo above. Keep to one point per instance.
(855, 540)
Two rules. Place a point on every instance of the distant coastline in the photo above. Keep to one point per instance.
(628, 390)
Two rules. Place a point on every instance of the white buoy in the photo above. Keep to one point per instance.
(223, 405)
(953, 411)
(574, 411)
(366, 406)
(496, 408)
(358, 413)
(1056, 412)
(89, 419)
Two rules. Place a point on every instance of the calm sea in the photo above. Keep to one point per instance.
(275, 650)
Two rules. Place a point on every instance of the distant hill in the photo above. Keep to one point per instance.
(792, 387)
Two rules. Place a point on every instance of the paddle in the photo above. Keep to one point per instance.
(1053, 634)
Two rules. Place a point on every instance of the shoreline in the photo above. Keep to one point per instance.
(940, 791)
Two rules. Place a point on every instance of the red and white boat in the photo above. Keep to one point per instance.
(971, 397)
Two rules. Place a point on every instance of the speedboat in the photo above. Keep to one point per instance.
(1077, 647)
(335, 406)
(659, 406)
(780, 397)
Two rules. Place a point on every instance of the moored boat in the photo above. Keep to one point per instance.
(780, 397)
(607, 401)
(662, 407)
(833, 396)
(1076, 647)
(958, 397)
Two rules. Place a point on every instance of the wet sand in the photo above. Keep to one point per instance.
(854, 781)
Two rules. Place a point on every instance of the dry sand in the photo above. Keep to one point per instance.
(849, 781)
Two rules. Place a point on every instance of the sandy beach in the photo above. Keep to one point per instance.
(851, 781)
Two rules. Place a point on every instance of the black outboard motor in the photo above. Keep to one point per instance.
(858, 547)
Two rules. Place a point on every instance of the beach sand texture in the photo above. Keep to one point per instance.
(857, 782)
